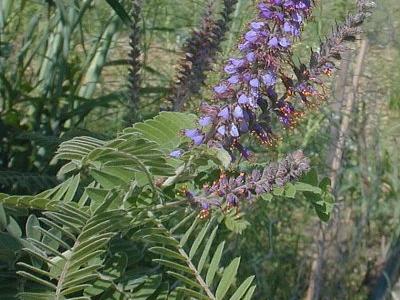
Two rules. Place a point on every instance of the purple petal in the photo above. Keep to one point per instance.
(251, 57)
(230, 69)
(251, 36)
(237, 62)
(234, 131)
(247, 76)
(220, 89)
(256, 25)
(243, 99)
(176, 153)
(297, 17)
(238, 112)
(269, 79)
(224, 113)
(204, 121)
(221, 130)
(284, 42)
(190, 133)
(233, 79)
(197, 140)
(273, 42)
(290, 28)
(245, 46)
(255, 83)
(244, 126)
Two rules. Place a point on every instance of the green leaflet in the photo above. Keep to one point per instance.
(194, 249)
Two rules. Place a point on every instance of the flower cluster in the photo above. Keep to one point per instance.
(134, 61)
(249, 90)
(200, 50)
(249, 96)
(233, 190)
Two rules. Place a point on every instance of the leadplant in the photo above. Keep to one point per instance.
(147, 214)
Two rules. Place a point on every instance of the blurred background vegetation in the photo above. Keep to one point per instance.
(64, 72)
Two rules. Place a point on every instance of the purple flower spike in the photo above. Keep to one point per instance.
(252, 78)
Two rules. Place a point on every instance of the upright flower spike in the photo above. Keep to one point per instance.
(232, 191)
(248, 94)
(251, 78)
(134, 62)
(200, 52)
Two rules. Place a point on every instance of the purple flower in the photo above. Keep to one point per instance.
(247, 76)
(243, 99)
(251, 36)
(191, 132)
(234, 190)
(237, 62)
(195, 135)
(176, 153)
(245, 46)
(290, 28)
(251, 57)
(273, 42)
(233, 79)
(265, 11)
(205, 121)
(284, 42)
(221, 130)
(269, 78)
(238, 112)
(296, 17)
(230, 69)
(224, 113)
(232, 199)
(255, 83)
(234, 131)
(197, 140)
(257, 25)
(220, 89)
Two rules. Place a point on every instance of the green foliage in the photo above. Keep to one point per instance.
(71, 249)
(109, 208)
(189, 259)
